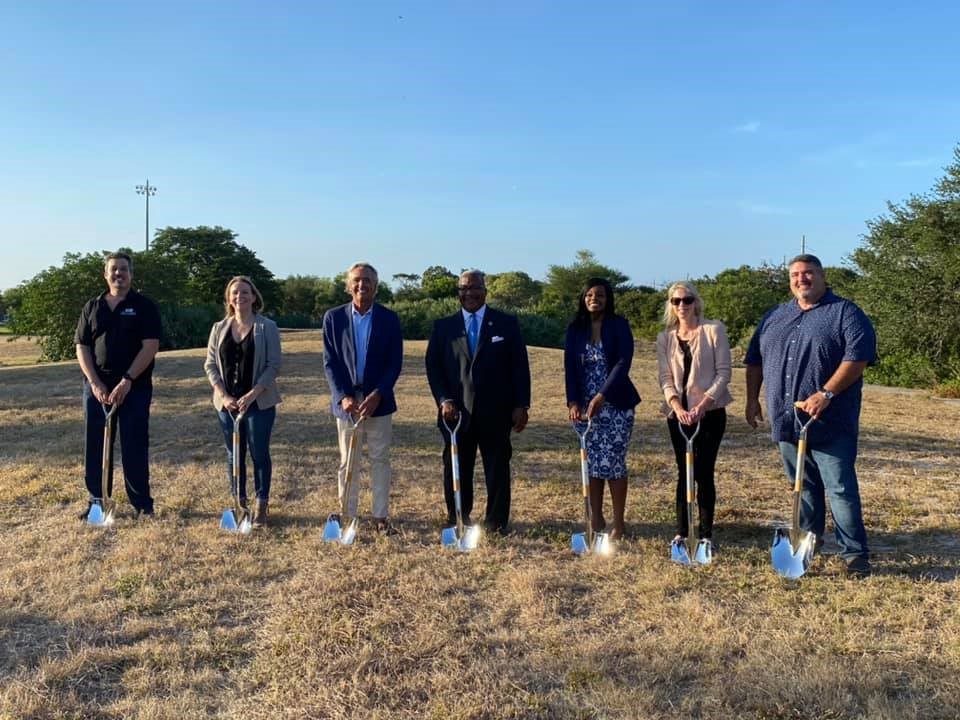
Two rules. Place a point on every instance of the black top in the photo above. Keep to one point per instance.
(687, 363)
(116, 336)
(236, 359)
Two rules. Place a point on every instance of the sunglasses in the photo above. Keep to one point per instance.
(686, 300)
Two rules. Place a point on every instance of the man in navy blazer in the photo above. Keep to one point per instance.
(477, 368)
(362, 357)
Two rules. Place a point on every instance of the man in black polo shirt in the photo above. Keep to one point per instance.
(117, 337)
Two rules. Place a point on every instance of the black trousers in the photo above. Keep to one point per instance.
(133, 421)
(705, 447)
(493, 442)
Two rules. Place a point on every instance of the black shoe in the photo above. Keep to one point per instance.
(858, 567)
(385, 527)
(818, 545)
(145, 514)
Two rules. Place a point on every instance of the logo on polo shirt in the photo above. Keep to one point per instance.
(128, 311)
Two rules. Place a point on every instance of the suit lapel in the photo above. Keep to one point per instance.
(349, 349)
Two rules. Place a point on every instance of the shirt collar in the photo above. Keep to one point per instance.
(479, 313)
(357, 313)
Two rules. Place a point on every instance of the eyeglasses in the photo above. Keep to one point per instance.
(686, 300)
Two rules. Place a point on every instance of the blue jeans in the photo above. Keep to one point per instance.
(255, 429)
(829, 469)
(133, 421)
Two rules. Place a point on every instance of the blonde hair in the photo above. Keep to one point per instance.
(670, 319)
(257, 297)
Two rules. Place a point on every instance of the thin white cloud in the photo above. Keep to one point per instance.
(748, 127)
(763, 209)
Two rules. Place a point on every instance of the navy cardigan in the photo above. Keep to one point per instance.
(617, 341)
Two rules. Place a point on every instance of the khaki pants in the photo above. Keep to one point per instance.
(375, 433)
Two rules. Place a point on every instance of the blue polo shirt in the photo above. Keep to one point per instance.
(799, 350)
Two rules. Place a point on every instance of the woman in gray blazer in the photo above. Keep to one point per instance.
(243, 360)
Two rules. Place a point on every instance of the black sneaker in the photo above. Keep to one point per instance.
(858, 567)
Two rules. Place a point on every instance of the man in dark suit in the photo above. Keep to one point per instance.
(362, 356)
(477, 367)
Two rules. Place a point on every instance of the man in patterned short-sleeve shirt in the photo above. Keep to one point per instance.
(813, 350)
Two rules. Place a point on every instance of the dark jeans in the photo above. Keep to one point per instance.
(829, 469)
(133, 421)
(495, 452)
(255, 429)
(705, 448)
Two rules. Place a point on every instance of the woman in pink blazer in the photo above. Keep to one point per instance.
(693, 356)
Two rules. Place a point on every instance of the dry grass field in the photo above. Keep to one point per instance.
(172, 618)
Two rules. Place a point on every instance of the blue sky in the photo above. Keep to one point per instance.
(673, 139)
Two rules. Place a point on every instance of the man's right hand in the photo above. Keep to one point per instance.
(753, 413)
(349, 405)
(100, 392)
(449, 411)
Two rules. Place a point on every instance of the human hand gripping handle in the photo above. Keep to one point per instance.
(449, 411)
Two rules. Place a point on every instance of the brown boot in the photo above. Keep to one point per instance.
(260, 513)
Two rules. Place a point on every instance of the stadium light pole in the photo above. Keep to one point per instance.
(147, 190)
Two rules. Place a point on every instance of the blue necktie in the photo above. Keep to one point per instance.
(472, 333)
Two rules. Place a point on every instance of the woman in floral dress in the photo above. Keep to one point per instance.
(597, 357)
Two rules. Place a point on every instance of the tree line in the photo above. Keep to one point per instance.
(905, 274)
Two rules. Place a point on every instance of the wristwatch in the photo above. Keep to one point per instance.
(126, 376)
(828, 394)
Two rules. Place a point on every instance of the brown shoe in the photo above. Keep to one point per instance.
(259, 519)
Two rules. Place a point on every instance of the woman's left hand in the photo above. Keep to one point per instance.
(593, 409)
(245, 401)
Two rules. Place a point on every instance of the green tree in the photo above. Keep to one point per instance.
(299, 294)
(438, 282)
(330, 292)
(643, 308)
(210, 256)
(409, 288)
(561, 290)
(49, 304)
(513, 289)
(909, 285)
(741, 296)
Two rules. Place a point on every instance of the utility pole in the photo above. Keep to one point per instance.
(803, 244)
(147, 190)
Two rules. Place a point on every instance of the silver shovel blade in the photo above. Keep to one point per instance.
(469, 541)
(704, 552)
(448, 538)
(602, 544)
(787, 561)
(331, 530)
(350, 534)
(98, 517)
(228, 522)
(678, 552)
(578, 542)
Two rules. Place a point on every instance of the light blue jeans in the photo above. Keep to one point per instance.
(829, 471)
